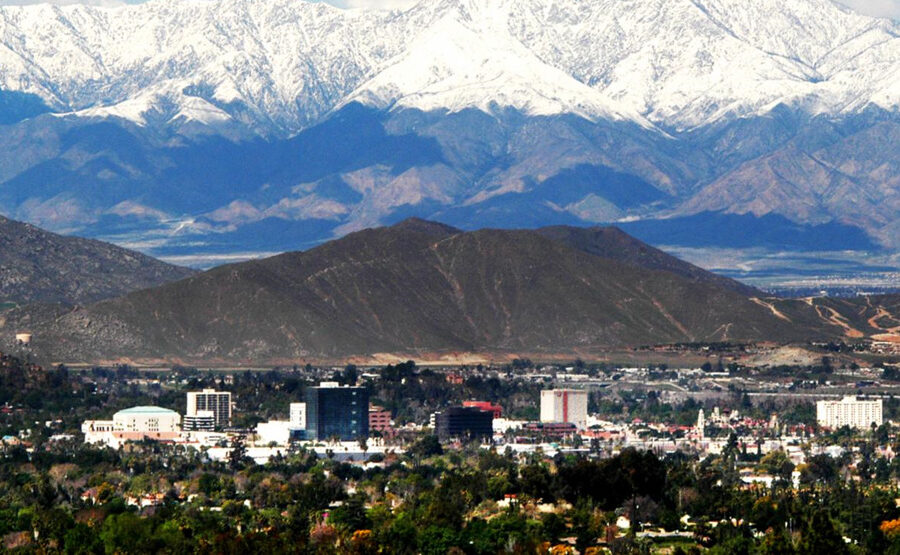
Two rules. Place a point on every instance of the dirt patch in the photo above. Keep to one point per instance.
(887, 337)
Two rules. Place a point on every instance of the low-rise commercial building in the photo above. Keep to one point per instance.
(380, 421)
(276, 432)
(551, 429)
(203, 421)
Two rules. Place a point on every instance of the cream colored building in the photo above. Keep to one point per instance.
(133, 424)
(849, 411)
(565, 405)
(147, 419)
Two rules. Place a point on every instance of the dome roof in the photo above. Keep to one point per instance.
(146, 410)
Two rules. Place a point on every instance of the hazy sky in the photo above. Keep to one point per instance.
(881, 8)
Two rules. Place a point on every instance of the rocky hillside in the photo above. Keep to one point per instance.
(420, 287)
(39, 266)
(613, 243)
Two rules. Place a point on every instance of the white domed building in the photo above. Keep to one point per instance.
(134, 424)
(147, 419)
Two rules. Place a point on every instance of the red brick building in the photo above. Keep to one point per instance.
(380, 421)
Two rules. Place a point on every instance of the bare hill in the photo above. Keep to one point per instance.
(419, 287)
(39, 266)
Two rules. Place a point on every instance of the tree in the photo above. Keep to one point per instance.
(777, 464)
(81, 539)
(124, 533)
(428, 446)
(351, 515)
(819, 536)
(534, 479)
(237, 457)
(349, 375)
(819, 469)
(776, 542)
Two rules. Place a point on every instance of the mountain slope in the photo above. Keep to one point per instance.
(38, 266)
(420, 287)
(614, 244)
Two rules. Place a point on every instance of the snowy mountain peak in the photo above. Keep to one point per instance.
(277, 66)
(467, 58)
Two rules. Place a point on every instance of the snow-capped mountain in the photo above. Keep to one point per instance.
(232, 123)
(280, 65)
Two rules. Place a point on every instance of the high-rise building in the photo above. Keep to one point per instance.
(217, 402)
(849, 411)
(564, 405)
(463, 423)
(333, 411)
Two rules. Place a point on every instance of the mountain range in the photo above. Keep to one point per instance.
(423, 289)
(219, 127)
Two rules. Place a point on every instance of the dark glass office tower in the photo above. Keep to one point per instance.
(464, 423)
(337, 412)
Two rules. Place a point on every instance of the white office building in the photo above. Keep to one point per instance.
(298, 416)
(276, 432)
(565, 405)
(203, 421)
(217, 402)
(849, 411)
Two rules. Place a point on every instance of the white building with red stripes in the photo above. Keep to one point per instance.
(565, 405)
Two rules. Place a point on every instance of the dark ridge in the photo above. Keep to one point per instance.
(613, 243)
(39, 266)
(423, 287)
